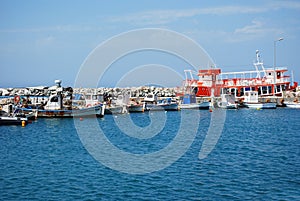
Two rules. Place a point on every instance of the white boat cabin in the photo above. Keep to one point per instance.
(251, 97)
(54, 103)
(150, 98)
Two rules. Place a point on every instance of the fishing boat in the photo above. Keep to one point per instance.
(88, 101)
(227, 102)
(266, 81)
(293, 104)
(54, 108)
(14, 111)
(251, 101)
(6, 119)
(135, 106)
(115, 109)
(29, 115)
(189, 102)
(57, 107)
(118, 104)
(153, 104)
(188, 96)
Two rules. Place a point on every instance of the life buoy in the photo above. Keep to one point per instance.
(89, 105)
(17, 99)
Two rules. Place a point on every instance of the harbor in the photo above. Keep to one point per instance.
(262, 88)
(150, 101)
(59, 102)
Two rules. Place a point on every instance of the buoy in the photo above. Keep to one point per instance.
(80, 118)
(210, 110)
(23, 123)
(17, 99)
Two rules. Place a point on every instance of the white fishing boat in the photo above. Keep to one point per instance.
(56, 107)
(15, 111)
(30, 115)
(114, 109)
(188, 95)
(89, 100)
(189, 102)
(227, 102)
(136, 106)
(251, 101)
(294, 104)
(153, 104)
(7, 119)
(118, 105)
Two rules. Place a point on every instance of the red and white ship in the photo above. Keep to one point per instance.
(266, 81)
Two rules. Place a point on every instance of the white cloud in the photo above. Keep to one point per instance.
(58, 28)
(250, 32)
(162, 17)
(257, 29)
(285, 5)
(49, 40)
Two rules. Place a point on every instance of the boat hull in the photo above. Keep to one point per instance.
(115, 110)
(292, 105)
(161, 107)
(261, 105)
(13, 120)
(197, 106)
(225, 105)
(136, 108)
(90, 111)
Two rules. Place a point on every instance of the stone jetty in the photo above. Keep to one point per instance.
(39, 92)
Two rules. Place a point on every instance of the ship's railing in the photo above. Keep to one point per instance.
(283, 79)
(277, 68)
(252, 81)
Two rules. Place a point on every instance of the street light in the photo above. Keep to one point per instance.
(279, 39)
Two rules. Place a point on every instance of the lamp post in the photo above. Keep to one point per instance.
(279, 39)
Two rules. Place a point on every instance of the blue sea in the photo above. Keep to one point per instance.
(251, 155)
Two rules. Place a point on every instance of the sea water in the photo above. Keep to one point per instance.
(255, 157)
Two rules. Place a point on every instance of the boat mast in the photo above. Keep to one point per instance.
(292, 72)
(259, 63)
(189, 82)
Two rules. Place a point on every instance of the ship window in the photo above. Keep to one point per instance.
(54, 99)
(94, 97)
(278, 88)
(269, 89)
(270, 73)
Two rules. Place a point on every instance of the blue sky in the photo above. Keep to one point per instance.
(41, 41)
